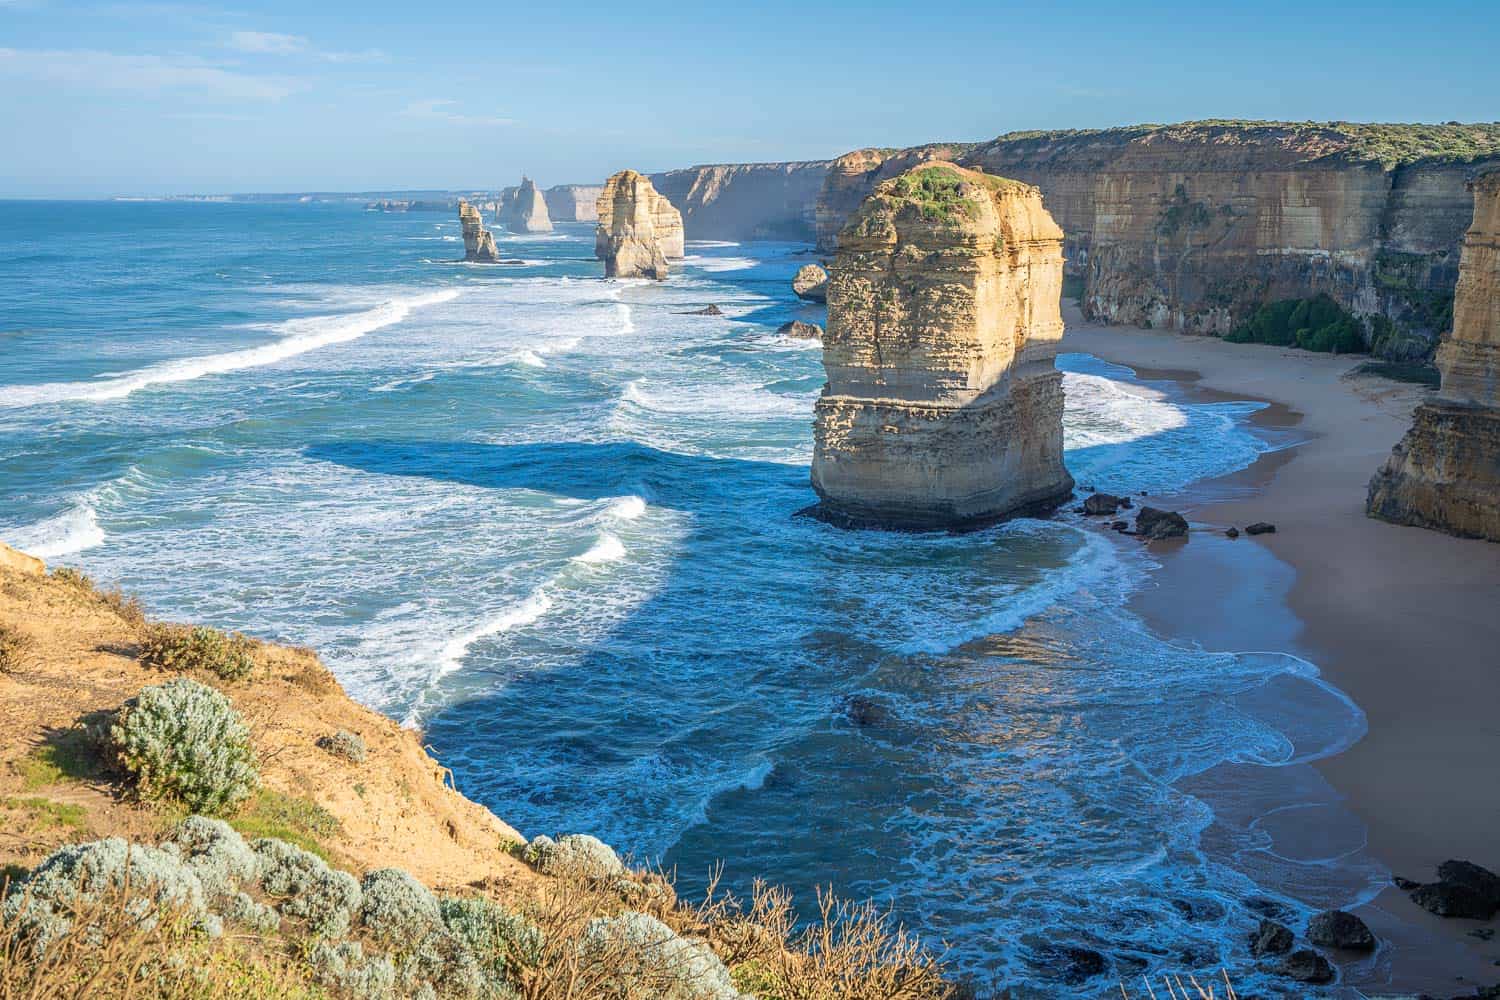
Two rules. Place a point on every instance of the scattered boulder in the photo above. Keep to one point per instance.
(1233, 532)
(1153, 524)
(1260, 528)
(1097, 504)
(1466, 873)
(1338, 929)
(1405, 884)
(1451, 899)
(1072, 964)
(1306, 966)
(811, 283)
(865, 711)
(800, 330)
(709, 310)
(1271, 938)
(1121, 526)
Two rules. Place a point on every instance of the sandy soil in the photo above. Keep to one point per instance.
(1403, 620)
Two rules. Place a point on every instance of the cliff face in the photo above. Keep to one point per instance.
(479, 244)
(746, 201)
(638, 229)
(573, 202)
(1194, 226)
(525, 210)
(942, 406)
(1445, 473)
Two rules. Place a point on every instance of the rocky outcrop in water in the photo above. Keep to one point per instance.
(479, 244)
(638, 229)
(746, 201)
(1194, 226)
(943, 407)
(811, 283)
(573, 202)
(1445, 473)
(524, 210)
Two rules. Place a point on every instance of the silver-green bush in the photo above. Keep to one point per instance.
(216, 853)
(576, 854)
(244, 910)
(346, 745)
(305, 888)
(343, 965)
(183, 740)
(498, 938)
(644, 952)
(397, 910)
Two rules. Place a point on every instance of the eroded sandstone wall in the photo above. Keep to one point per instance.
(746, 201)
(524, 210)
(1445, 473)
(638, 229)
(1194, 226)
(573, 202)
(943, 407)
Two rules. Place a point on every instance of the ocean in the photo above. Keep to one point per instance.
(548, 519)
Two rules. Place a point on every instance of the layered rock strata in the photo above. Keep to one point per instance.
(638, 230)
(524, 210)
(1194, 226)
(943, 407)
(746, 201)
(573, 202)
(479, 244)
(1445, 473)
(810, 283)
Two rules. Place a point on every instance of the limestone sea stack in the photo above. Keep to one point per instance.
(1445, 473)
(638, 229)
(479, 245)
(943, 407)
(525, 210)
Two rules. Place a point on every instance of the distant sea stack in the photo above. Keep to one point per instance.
(525, 210)
(573, 202)
(479, 244)
(638, 229)
(943, 407)
(1445, 473)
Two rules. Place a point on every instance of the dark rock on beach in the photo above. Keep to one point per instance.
(1405, 884)
(1102, 503)
(1271, 938)
(1233, 532)
(1450, 899)
(1260, 528)
(1156, 524)
(1120, 525)
(709, 310)
(1306, 966)
(800, 330)
(1338, 929)
(1074, 964)
(1472, 876)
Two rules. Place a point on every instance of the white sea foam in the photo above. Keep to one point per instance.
(298, 337)
(451, 657)
(70, 532)
(626, 508)
(531, 359)
(606, 549)
(720, 264)
(743, 399)
(627, 325)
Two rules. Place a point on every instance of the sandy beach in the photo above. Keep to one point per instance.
(1400, 619)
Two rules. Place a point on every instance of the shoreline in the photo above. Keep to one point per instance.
(1398, 619)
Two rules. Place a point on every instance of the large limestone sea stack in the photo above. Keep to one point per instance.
(638, 231)
(1445, 473)
(479, 244)
(525, 210)
(943, 407)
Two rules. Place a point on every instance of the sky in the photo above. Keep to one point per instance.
(122, 98)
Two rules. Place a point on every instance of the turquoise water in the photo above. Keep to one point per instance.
(548, 519)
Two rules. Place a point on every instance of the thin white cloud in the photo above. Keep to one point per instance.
(268, 42)
(150, 75)
(440, 111)
(272, 43)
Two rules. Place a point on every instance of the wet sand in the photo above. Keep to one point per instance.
(1403, 620)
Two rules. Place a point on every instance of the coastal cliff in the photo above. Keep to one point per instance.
(524, 210)
(1445, 473)
(573, 202)
(479, 242)
(1194, 226)
(943, 407)
(746, 201)
(638, 230)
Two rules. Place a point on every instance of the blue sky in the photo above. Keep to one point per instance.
(106, 98)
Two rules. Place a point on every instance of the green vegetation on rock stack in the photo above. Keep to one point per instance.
(938, 192)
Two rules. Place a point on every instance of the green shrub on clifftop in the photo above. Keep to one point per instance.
(178, 647)
(1316, 324)
(183, 741)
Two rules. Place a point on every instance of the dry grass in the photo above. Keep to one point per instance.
(115, 951)
(17, 648)
(1176, 989)
(127, 607)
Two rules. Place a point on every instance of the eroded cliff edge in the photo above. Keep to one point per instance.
(1193, 226)
(943, 407)
(747, 201)
(1445, 473)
